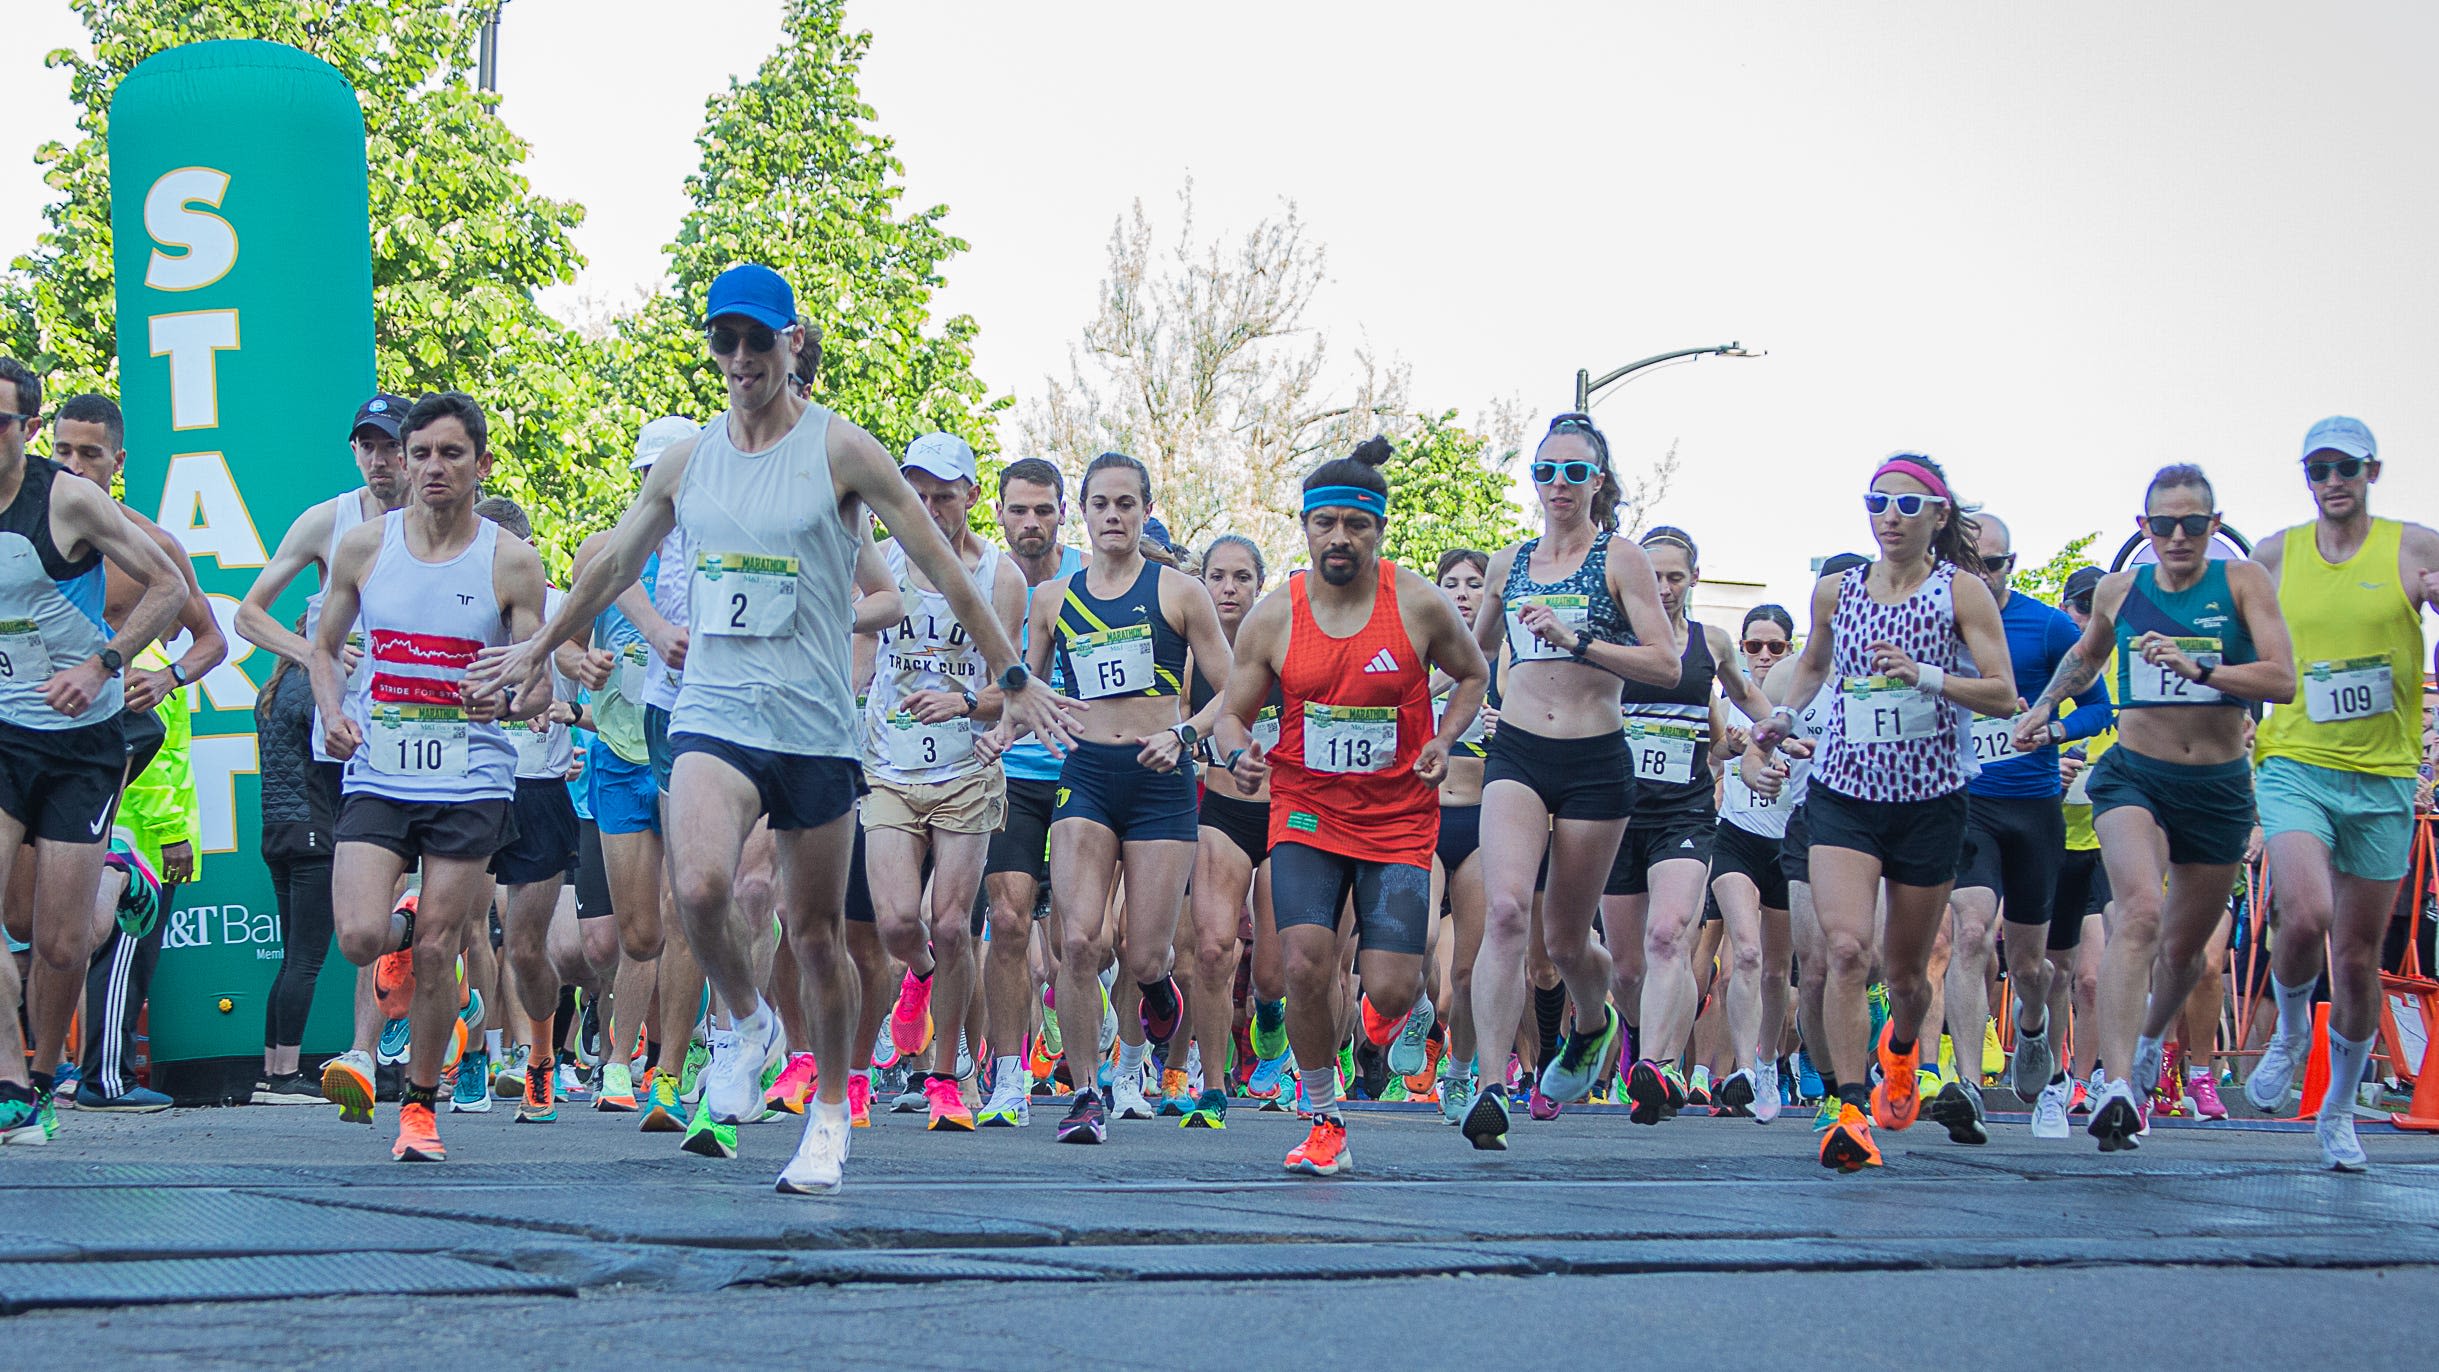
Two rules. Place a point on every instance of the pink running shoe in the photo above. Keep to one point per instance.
(1541, 1107)
(910, 1023)
(2204, 1093)
(794, 1084)
(859, 1099)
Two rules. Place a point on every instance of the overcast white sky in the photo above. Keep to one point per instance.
(2056, 247)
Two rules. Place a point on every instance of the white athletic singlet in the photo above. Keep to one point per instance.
(546, 751)
(50, 610)
(423, 624)
(669, 592)
(927, 650)
(346, 512)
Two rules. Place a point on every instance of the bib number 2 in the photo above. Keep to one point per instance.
(742, 595)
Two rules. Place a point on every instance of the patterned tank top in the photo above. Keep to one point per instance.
(1581, 599)
(1887, 742)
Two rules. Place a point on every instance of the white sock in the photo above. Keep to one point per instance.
(1130, 1059)
(1321, 1090)
(2149, 1053)
(1009, 1070)
(494, 1043)
(2346, 1059)
(751, 1028)
(2294, 1009)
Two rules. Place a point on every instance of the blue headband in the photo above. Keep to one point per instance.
(1355, 497)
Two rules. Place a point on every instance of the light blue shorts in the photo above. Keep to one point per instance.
(2366, 820)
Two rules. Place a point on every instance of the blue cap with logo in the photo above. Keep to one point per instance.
(384, 413)
(2341, 434)
(754, 291)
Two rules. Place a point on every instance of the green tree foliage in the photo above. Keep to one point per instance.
(1447, 490)
(2047, 582)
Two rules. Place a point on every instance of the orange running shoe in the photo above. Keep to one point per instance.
(418, 1135)
(1381, 1032)
(1847, 1145)
(457, 1044)
(1324, 1151)
(394, 984)
(1897, 1099)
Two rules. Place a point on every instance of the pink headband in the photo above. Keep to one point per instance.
(1908, 467)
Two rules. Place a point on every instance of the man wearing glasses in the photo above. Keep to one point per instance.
(2338, 766)
(2014, 835)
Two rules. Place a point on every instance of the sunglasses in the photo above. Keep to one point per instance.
(2082, 604)
(2347, 469)
(7, 418)
(2195, 526)
(1573, 473)
(1998, 564)
(759, 338)
(1909, 504)
(1755, 647)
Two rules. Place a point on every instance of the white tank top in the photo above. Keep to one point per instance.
(50, 612)
(669, 592)
(771, 572)
(928, 650)
(1738, 805)
(423, 624)
(346, 512)
(546, 751)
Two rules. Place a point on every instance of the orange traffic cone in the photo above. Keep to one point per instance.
(2316, 1067)
(2423, 1112)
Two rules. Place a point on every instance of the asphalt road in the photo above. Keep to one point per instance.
(277, 1236)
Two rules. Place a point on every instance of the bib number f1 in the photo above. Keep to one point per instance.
(1349, 738)
(1663, 752)
(2156, 684)
(1112, 662)
(743, 595)
(1882, 709)
(914, 746)
(2357, 688)
(1573, 611)
(418, 740)
(23, 656)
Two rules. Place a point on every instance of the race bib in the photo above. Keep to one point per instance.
(1265, 727)
(914, 746)
(2156, 684)
(1882, 709)
(1349, 738)
(627, 678)
(418, 740)
(1994, 740)
(23, 656)
(1663, 752)
(1112, 662)
(533, 746)
(2080, 793)
(1573, 611)
(1474, 732)
(2357, 688)
(743, 595)
(1740, 799)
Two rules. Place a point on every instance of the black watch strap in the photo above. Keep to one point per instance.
(111, 661)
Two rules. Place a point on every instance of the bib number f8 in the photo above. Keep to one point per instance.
(1349, 738)
(1663, 752)
(2357, 688)
(743, 595)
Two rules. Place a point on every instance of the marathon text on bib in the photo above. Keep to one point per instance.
(1882, 709)
(1474, 732)
(745, 595)
(1663, 752)
(914, 746)
(418, 740)
(1994, 739)
(2357, 688)
(1349, 738)
(23, 657)
(1112, 662)
(627, 678)
(1265, 727)
(2156, 684)
(1573, 611)
(1742, 799)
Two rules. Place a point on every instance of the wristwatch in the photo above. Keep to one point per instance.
(1185, 734)
(178, 674)
(1583, 645)
(1013, 680)
(969, 700)
(2204, 678)
(111, 661)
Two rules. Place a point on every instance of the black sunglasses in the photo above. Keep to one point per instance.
(7, 418)
(2081, 603)
(2000, 563)
(760, 338)
(2195, 526)
(2347, 469)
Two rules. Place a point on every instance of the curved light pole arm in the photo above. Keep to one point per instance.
(1587, 385)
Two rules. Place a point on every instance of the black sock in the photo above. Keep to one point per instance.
(1829, 1084)
(1161, 996)
(418, 1095)
(1857, 1095)
(1900, 1047)
(560, 1019)
(1549, 1007)
(42, 1082)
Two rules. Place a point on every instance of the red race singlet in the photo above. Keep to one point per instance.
(1356, 712)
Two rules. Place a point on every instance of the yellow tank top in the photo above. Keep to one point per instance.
(2346, 621)
(2081, 837)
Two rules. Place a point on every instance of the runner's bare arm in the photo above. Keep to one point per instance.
(2418, 555)
(1450, 649)
(342, 600)
(2270, 677)
(1733, 683)
(300, 548)
(2271, 553)
(2081, 666)
(1252, 672)
(878, 600)
(1977, 623)
(636, 604)
(1008, 599)
(1490, 617)
(1183, 599)
(207, 646)
(84, 516)
(1793, 684)
(1652, 658)
(516, 575)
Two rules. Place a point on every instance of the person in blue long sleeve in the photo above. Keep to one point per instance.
(2014, 835)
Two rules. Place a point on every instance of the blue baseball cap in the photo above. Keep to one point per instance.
(1158, 532)
(754, 291)
(2341, 434)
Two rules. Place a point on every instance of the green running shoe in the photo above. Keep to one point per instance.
(21, 1122)
(1877, 996)
(1396, 1089)
(1827, 1114)
(708, 1138)
(1270, 1029)
(1050, 1032)
(46, 1104)
(770, 1075)
(1210, 1111)
(664, 1113)
(690, 1078)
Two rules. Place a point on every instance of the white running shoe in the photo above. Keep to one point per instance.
(1127, 1098)
(2274, 1075)
(1410, 1051)
(2338, 1146)
(2049, 1110)
(2033, 1064)
(1009, 1106)
(1765, 1091)
(821, 1155)
(732, 1084)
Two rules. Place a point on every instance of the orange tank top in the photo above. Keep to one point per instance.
(1355, 713)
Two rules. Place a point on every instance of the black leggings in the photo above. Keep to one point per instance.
(302, 886)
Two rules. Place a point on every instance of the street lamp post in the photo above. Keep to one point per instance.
(1587, 385)
(487, 57)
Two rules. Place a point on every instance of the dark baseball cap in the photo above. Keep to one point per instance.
(383, 412)
(2081, 582)
(1839, 564)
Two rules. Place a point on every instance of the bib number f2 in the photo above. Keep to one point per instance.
(1112, 662)
(1882, 709)
(1349, 738)
(23, 656)
(2157, 684)
(743, 595)
(418, 740)
(2357, 688)
(1573, 611)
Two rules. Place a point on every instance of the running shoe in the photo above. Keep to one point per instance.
(1324, 1151)
(908, 1097)
(1675, 1081)
(348, 1080)
(1767, 1100)
(291, 1089)
(540, 1104)
(1824, 1114)
(819, 1166)
(664, 1112)
(1737, 1095)
(2050, 1109)
(508, 1074)
(1457, 1095)
(1395, 1090)
(1176, 1098)
(1649, 1092)
(2034, 1063)
(1210, 1111)
(2274, 1075)
(472, 1094)
(884, 1048)
(793, 1085)
(1269, 1075)
(1410, 1051)
(708, 1136)
(2167, 1089)
(1269, 1029)
(1040, 1063)
(1109, 1021)
(910, 1020)
(2203, 1090)
(2117, 1120)
(21, 1120)
(2081, 1102)
(732, 1085)
(1485, 1124)
(1698, 1091)
(395, 1037)
(69, 1080)
(948, 1110)
(1050, 1043)
(1808, 1077)
(139, 903)
(1009, 1106)
(1898, 1097)
(1085, 1122)
(46, 1109)
(690, 1074)
(394, 984)
(1958, 1107)
(859, 1100)
(569, 1080)
(617, 1088)
(1538, 1105)
(1162, 1027)
(2338, 1146)
(1876, 996)
(1847, 1146)
(1993, 1057)
(1127, 1100)
(1569, 1075)
(418, 1134)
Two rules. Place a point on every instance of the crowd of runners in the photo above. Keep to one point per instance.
(767, 815)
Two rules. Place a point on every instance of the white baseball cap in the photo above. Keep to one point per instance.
(945, 456)
(657, 436)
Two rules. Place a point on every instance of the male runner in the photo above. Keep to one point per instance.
(771, 497)
(63, 746)
(936, 794)
(430, 774)
(2014, 835)
(1355, 808)
(310, 542)
(2338, 766)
